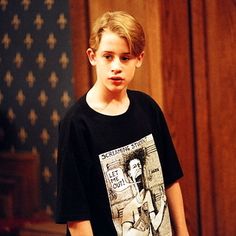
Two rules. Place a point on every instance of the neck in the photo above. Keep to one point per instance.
(107, 102)
(107, 95)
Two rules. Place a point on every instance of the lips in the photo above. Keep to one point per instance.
(116, 78)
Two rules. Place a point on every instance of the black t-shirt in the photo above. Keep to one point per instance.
(93, 183)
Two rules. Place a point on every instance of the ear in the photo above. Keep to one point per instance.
(91, 56)
(140, 59)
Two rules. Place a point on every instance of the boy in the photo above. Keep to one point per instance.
(105, 127)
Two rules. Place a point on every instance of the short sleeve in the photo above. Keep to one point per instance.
(72, 174)
(171, 167)
(170, 164)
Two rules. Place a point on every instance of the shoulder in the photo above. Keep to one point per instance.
(144, 100)
(74, 112)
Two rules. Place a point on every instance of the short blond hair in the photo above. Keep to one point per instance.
(123, 24)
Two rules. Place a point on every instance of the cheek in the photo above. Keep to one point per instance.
(131, 72)
(101, 68)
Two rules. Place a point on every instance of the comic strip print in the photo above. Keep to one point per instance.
(135, 187)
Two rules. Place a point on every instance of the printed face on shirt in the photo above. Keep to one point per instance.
(115, 66)
(135, 169)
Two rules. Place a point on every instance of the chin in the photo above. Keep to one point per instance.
(117, 89)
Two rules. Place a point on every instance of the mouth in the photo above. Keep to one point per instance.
(116, 79)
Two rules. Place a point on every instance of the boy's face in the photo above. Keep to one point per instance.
(135, 168)
(115, 66)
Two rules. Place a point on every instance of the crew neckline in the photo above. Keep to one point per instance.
(98, 114)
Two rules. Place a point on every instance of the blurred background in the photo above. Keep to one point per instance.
(189, 69)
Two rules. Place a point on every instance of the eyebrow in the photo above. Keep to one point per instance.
(124, 53)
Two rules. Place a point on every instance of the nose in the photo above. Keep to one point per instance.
(116, 66)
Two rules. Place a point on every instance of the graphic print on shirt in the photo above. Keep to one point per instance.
(135, 187)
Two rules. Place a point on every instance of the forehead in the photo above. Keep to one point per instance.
(112, 42)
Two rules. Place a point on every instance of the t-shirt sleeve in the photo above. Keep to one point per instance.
(170, 164)
(71, 181)
(171, 167)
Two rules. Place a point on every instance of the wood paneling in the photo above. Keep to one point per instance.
(201, 111)
(178, 99)
(221, 57)
(80, 36)
(214, 37)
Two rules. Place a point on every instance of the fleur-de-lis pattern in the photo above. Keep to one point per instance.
(36, 84)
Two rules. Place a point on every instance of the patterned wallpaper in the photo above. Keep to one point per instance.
(36, 84)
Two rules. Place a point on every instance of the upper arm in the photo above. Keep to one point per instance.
(80, 228)
(73, 174)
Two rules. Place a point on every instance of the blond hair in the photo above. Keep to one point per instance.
(123, 24)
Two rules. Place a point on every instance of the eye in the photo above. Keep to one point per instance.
(135, 166)
(107, 57)
(125, 58)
